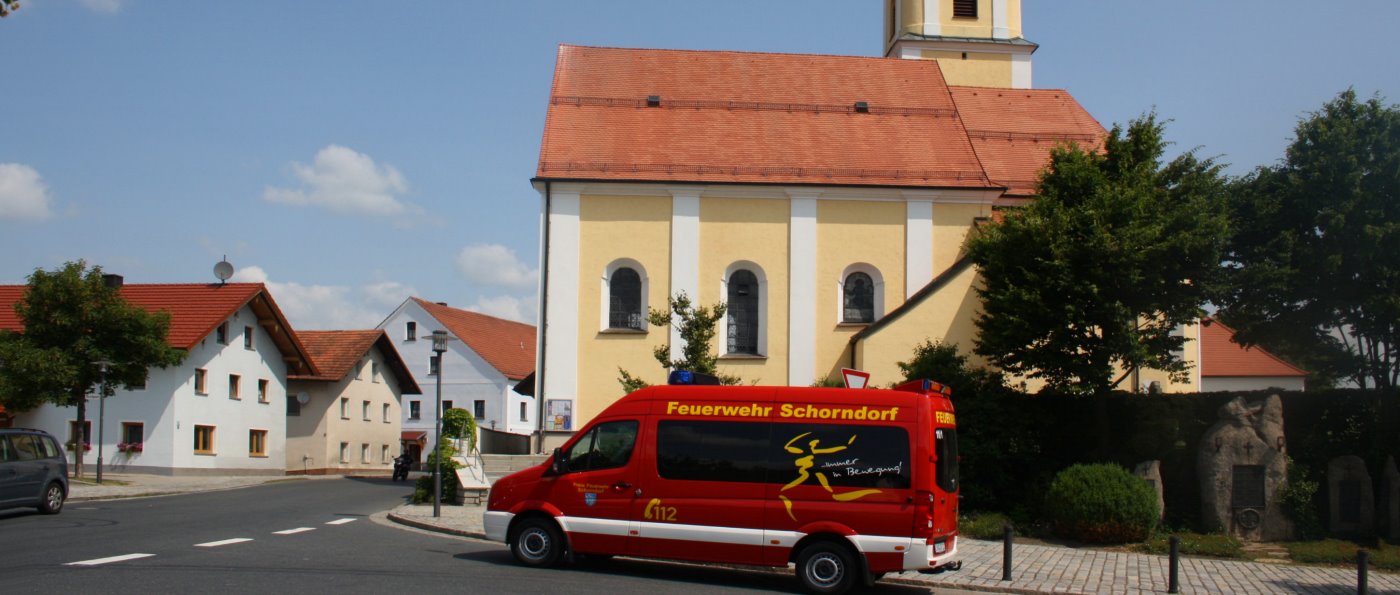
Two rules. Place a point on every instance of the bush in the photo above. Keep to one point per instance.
(423, 487)
(1335, 551)
(1299, 499)
(1101, 503)
(986, 525)
(1216, 545)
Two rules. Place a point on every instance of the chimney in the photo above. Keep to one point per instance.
(442, 304)
(113, 281)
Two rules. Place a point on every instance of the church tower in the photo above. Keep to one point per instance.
(977, 43)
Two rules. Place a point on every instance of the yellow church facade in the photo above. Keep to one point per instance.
(824, 199)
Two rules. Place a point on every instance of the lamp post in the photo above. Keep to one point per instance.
(101, 413)
(439, 346)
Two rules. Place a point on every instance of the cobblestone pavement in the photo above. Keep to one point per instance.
(1035, 568)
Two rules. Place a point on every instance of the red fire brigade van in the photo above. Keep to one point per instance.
(845, 484)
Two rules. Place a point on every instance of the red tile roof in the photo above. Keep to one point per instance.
(336, 353)
(1013, 130)
(736, 117)
(195, 310)
(507, 346)
(1221, 356)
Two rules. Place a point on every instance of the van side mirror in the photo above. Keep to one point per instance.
(556, 465)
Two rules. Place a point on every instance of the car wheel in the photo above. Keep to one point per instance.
(827, 568)
(537, 542)
(53, 499)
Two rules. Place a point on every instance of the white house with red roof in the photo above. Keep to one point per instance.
(221, 411)
(347, 417)
(485, 358)
(1229, 366)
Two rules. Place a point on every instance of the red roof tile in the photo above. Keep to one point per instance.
(754, 118)
(195, 310)
(507, 346)
(1221, 356)
(1013, 130)
(336, 353)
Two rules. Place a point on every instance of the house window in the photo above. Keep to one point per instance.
(625, 300)
(965, 8)
(410, 331)
(344, 452)
(446, 405)
(433, 365)
(233, 381)
(858, 298)
(257, 443)
(415, 410)
(364, 453)
(141, 385)
(133, 433)
(479, 409)
(293, 406)
(386, 413)
(248, 338)
(374, 372)
(221, 334)
(199, 387)
(524, 412)
(204, 440)
(344, 408)
(262, 390)
(384, 453)
(72, 444)
(743, 313)
(364, 411)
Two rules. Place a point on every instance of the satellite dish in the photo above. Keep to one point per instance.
(223, 270)
(303, 397)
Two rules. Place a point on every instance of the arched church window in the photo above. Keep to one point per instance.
(625, 300)
(743, 312)
(858, 298)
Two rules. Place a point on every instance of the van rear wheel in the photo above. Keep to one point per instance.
(827, 568)
(537, 542)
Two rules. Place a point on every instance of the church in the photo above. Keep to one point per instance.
(824, 199)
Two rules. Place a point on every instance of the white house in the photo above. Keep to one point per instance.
(485, 358)
(1229, 366)
(221, 411)
(347, 418)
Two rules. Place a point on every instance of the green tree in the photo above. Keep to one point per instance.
(73, 320)
(460, 424)
(8, 6)
(1097, 273)
(1315, 260)
(696, 325)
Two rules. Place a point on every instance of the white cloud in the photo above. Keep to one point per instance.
(315, 307)
(508, 307)
(388, 293)
(347, 182)
(23, 195)
(496, 266)
(107, 6)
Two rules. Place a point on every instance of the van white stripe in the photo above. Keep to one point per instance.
(727, 535)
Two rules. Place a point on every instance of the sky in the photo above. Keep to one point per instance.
(351, 154)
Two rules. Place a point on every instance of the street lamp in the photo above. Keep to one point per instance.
(101, 413)
(439, 346)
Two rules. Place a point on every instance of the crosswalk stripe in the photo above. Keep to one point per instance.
(340, 521)
(99, 561)
(224, 542)
(294, 531)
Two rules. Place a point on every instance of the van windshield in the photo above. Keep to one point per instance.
(945, 444)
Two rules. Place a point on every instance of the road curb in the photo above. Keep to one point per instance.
(434, 528)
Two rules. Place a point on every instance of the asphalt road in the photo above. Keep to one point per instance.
(305, 537)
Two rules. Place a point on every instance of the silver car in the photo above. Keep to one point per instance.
(33, 471)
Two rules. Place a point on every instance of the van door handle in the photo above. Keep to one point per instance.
(621, 485)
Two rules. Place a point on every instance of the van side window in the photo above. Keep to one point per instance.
(608, 445)
(712, 450)
(945, 447)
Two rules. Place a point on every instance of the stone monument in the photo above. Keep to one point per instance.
(1242, 467)
(1351, 500)
(1151, 471)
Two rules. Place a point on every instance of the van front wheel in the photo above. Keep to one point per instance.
(827, 568)
(537, 542)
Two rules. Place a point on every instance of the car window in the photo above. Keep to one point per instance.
(50, 447)
(27, 445)
(6, 452)
(607, 446)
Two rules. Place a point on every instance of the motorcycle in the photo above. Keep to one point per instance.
(401, 465)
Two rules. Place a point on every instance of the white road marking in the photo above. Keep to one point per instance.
(294, 531)
(340, 521)
(224, 542)
(99, 561)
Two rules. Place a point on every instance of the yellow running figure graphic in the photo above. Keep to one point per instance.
(805, 464)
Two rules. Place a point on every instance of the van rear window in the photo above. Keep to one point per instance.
(761, 452)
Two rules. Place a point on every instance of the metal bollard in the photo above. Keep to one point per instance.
(1363, 559)
(1006, 552)
(1172, 585)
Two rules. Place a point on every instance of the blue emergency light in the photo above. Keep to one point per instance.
(683, 377)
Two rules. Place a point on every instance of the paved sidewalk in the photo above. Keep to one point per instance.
(1036, 568)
